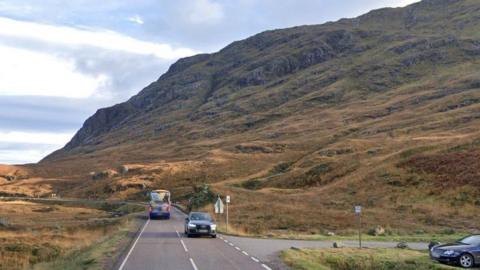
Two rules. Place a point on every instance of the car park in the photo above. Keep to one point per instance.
(200, 223)
(465, 252)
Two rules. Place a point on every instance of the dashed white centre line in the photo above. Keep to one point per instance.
(254, 259)
(231, 244)
(226, 241)
(193, 264)
(237, 248)
(266, 267)
(183, 244)
(245, 253)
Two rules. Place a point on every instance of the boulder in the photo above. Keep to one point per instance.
(379, 230)
(402, 245)
(338, 245)
(103, 174)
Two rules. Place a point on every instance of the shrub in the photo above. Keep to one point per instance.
(201, 196)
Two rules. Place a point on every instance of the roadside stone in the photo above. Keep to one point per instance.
(402, 245)
(295, 248)
(330, 233)
(338, 245)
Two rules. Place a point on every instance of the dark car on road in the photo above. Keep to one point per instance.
(465, 252)
(200, 223)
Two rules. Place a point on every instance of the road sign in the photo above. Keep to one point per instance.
(219, 206)
(358, 209)
(228, 199)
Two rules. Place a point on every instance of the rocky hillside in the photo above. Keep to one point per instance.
(364, 110)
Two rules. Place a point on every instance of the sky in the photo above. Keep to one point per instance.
(60, 61)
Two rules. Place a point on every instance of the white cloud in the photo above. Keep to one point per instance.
(35, 137)
(136, 19)
(25, 156)
(204, 11)
(30, 146)
(24, 72)
(99, 38)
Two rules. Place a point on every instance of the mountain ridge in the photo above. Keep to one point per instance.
(358, 111)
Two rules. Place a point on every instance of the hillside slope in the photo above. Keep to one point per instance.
(307, 120)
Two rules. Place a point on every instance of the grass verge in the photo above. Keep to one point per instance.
(100, 255)
(356, 259)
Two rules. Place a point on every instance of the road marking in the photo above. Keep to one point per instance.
(221, 237)
(237, 248)
(193, 264)
(183, 244)
(231, 244)
(266, 267)
(178, 234)
(133, 246)
(254, 259)
(226, 241)
(245, 253)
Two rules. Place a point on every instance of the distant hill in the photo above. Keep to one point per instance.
(381, 110)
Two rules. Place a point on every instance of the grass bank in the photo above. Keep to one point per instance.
(36, 233)
(102, 254)
(356, 259)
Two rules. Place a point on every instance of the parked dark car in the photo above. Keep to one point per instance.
(465, 252)
(200, 223)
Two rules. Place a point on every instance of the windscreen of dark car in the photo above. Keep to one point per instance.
(200, 216)
(473, 240)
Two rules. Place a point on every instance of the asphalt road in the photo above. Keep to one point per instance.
(162, 245)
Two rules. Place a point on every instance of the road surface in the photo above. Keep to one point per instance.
(161, 244)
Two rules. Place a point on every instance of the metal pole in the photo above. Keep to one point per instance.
(360, 230)
(227, 220)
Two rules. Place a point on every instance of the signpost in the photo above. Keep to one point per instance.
(227, 200)
(358, 213)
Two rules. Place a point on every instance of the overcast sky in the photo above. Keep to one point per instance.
(60, 61)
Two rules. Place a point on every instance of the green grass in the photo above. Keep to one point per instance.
(356, 259)
(100, 255)
(423, 237)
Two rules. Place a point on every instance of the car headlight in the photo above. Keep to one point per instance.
(190, 225)
(450, 253)
(213, 227)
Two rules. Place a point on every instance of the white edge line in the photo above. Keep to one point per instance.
(245, 253)
(133, 246)
(266, 267)
(193, 264)
(254, 259)
(183, 244)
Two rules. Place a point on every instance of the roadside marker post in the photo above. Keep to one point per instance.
(358, 213)
(227, 200)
